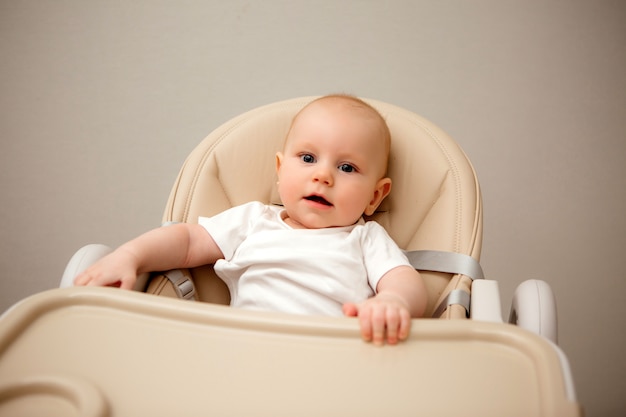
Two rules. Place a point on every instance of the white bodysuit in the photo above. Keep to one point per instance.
(269, 265)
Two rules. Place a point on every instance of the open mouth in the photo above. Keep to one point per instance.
(318, 199)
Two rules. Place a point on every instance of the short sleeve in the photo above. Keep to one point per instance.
(380, 253)
(231, 227)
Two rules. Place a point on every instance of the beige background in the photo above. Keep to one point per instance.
(101, 101)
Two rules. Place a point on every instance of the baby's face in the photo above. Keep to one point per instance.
(332, 167)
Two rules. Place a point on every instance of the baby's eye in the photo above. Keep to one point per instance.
(347, 168)
(307, 158)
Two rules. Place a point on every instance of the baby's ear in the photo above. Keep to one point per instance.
(382, 190)
(279, 160)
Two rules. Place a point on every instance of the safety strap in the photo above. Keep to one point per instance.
(448, 262)
(457, 296)
(183, 286)
(451, 263)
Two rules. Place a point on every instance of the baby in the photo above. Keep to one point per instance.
(314, 255)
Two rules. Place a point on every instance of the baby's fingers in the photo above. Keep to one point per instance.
(89, 278)
(82, 279)
(404, 325)
(127, 284)
(384, 323)
(393, 326)
(380, 322)
(372, 319)
(350, 310)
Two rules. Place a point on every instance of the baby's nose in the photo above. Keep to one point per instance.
(323, 174)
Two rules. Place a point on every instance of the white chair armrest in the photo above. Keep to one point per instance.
(82, 259)
(534, 309)
(485, 301)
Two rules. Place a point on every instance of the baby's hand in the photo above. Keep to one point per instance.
(383, 315)
(116, 269)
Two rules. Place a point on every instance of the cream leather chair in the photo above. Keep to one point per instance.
(435, 201)
(434, 212)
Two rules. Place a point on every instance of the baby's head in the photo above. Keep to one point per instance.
(332, 169)
(358, 110)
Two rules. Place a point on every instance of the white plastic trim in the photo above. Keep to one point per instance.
(568, 377)
(534, 309)
(82, 259)
(485, 304)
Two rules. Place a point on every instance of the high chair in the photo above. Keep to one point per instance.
(103, 351)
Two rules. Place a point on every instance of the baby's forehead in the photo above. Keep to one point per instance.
(354, 107)
(339, 107)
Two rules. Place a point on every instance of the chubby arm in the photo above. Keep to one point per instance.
(400, 295)
(177, 246)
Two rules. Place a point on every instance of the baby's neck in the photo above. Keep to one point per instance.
(294, 224)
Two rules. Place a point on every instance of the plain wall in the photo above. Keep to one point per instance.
(100, 102)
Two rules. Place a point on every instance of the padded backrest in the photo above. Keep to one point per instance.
(434, 204)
